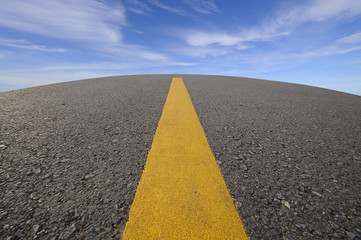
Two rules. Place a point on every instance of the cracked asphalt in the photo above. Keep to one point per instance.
(72, 155)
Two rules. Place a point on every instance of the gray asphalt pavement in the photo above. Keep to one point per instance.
(72, 155)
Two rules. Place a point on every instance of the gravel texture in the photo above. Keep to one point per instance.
(72, 155)
(290, 154)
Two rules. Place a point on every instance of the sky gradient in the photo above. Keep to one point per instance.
(312, 42)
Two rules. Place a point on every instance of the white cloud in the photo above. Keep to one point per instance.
(40, 75)
(341, 46)
(14, 43)
(322, 10)
(196, 38)
(353, 38)
(132, 52)
(5, 54)
(163, 6)
(148, 55)
(137, 31)
(29, 79)
(102, 66)
(138, 11)
(241, 47)
(182, 7)
(329, 50)
(87, 66)
(182, 64)
(76, 20)
(141, 5)
(203, 51)
(95, 24)
(203, 6)
(282, 24)
(209, 51)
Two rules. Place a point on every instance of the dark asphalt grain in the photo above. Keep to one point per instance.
(75, 153)
(72, 155)
(290, 154)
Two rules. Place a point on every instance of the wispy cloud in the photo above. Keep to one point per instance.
(53, 73)
(27, 79)
(203, 6)
(329, 50)
(88, 66)
(138, 11)
(202, 52)
(182, 8)
(95, 24)
(76, 20)
(24, 44)
(353, 38)
(281, 24)
(101, 66)
(341, 46)
(168, 8)
(137, 31)
(132, 53)
(201, 39)
(198, 38)
(141, 5)
(321, 10)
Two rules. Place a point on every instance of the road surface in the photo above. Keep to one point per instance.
(72, 155)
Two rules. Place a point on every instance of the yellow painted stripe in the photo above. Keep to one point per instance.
(182, 194)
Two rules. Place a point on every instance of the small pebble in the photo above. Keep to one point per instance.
(287, 204)
(300, 226)
(64, 160)
(351, 235)
(89, 176)
(317, 194)
(35, 229)
(280, 196)
(244, 167)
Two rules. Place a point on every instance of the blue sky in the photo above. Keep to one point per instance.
(313, 42)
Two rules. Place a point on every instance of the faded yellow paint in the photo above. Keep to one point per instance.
(182, 194)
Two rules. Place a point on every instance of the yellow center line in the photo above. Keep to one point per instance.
(182, 194)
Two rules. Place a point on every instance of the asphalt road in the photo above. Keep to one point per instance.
(72, 155)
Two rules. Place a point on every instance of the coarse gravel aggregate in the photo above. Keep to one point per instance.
(72, 155)
(290, 154)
